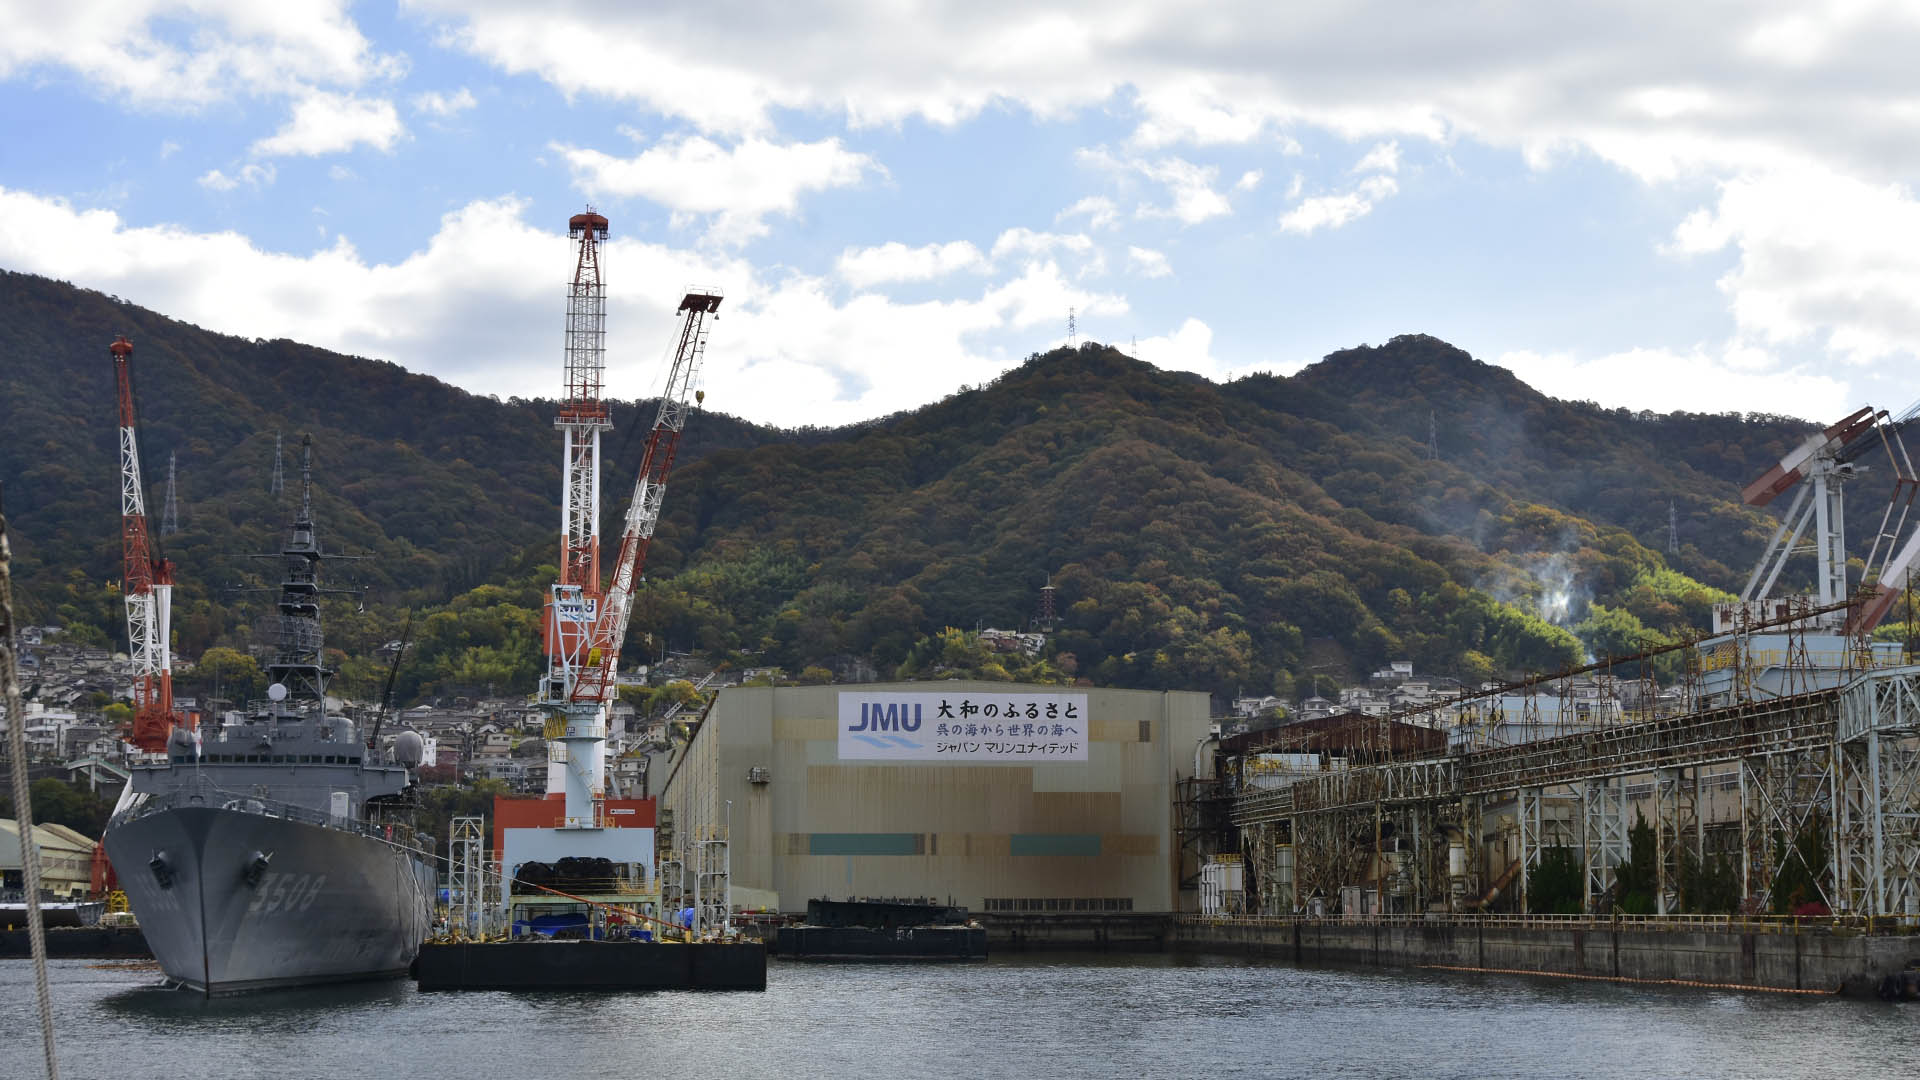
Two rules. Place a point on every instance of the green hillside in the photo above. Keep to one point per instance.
(1251, 535)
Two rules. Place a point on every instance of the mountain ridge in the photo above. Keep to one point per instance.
(1198, 533)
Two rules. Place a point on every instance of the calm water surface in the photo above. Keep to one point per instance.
(1026, 1017)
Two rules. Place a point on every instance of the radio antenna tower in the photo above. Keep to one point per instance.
(170, 513)
(278, 484)
(1673, 528)
(1073, 332)
(1433, 437)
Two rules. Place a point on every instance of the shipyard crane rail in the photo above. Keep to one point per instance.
(146, 581)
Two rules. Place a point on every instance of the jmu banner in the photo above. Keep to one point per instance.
(963, 727)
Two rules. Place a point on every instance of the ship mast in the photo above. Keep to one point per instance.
(298, 658)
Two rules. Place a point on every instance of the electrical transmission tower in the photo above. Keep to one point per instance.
(279, 482)
(1073, 331)
(170, 513)
(1433, 437)
(1673, 528)
(1046, 606)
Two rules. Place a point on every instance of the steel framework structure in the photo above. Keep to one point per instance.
(1842, 764)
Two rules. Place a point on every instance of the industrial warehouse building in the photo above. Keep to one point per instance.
(1000, 797)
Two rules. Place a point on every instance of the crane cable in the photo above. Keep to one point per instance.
(22, 805)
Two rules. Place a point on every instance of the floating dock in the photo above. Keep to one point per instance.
(862, 943)
(591, 965)
(883, 930)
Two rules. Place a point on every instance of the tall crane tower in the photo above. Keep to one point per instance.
(582, 415)
(586, 622)
(147, 582)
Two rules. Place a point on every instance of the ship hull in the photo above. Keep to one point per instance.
(329, 905)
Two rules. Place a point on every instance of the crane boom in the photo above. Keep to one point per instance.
(1816, 471)
(677, 400)
(146, 581)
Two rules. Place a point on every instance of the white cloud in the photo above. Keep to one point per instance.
(1733, 378)
(1194, 112)
(1333, 211)
(1384, 157)
(435, 103)
(1147, 262)
(1249, 180)
(1190, 186)
(327, 123)
(473, 304)
(1022, 241)
(1189, 348)
(1765, 80)
(134, 49)
(894, 261)
(1100, 210)
(738, 185)
(256, 175)
(168, 148)
(1824, 258)
(340, 173)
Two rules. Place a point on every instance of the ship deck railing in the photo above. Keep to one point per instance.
(206, 796)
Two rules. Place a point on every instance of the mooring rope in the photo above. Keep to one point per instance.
(22, 805)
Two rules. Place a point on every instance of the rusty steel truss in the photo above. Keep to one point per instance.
(1834, 770)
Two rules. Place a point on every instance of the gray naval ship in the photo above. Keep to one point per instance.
(275, 851)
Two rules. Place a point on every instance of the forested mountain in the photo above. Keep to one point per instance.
(1247, 535)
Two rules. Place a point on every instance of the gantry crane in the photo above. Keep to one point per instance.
(1816, 471)
(586, 623)
(146, 583)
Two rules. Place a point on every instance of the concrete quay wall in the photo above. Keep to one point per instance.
(1807, 960)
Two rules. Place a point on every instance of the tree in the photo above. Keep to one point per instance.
(119, 714)
(1554, 887)
(56, 802)
(1637, 880)
(1710, 886)
(230, 674)
(1802, 869)
(814, 675)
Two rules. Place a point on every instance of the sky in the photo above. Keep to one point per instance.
(1705, 206)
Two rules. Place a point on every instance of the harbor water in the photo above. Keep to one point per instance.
(1015, 1016)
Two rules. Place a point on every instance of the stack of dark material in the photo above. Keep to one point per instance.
(571, 874)
(883, 930)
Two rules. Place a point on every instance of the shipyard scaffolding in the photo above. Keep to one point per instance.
(1816, 790)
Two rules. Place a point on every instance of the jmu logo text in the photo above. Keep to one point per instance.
(875, 716)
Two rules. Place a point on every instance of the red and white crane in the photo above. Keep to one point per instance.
(1816, 471)
(586, 623)
(146, 583)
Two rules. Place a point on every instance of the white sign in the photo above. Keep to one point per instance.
(581, 610)
(964, 727)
